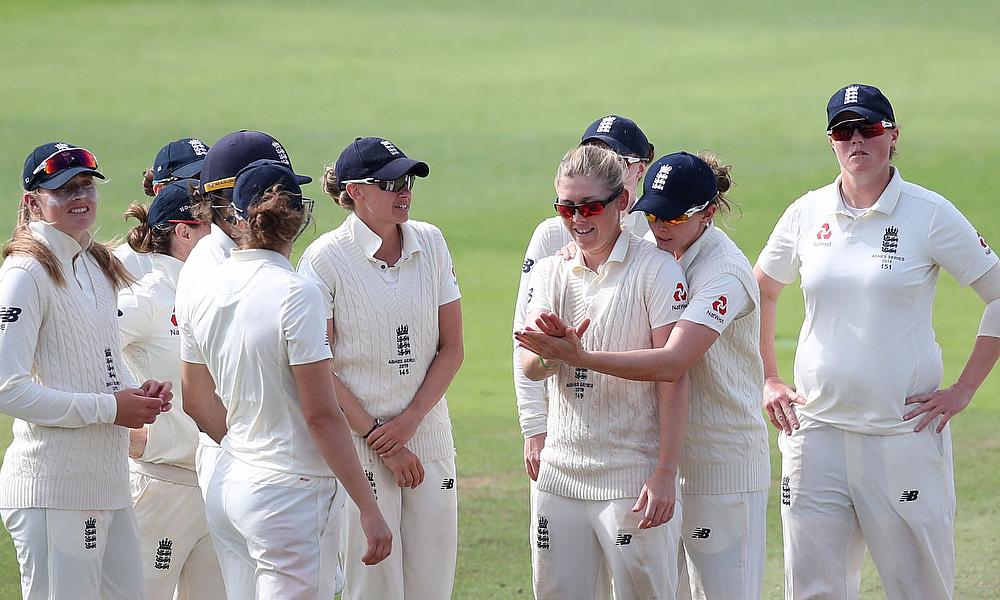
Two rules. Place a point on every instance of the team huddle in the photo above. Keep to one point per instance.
(197, 418)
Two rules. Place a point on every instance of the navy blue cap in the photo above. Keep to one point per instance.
(173, 204)
(261, 175)
(179, 159)
(865, 100)
(620, 134)
(376, 158)
(237, 150)
(675, 184)
(73, 167)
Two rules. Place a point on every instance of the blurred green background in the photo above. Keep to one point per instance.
(491, 95)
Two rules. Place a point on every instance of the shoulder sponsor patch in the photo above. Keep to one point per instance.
(8, 315)
(526, 267)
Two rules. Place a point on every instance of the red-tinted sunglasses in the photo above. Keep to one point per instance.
(843, 132)
(593, 208)
(65, 159)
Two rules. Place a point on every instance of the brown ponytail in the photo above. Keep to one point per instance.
(147, 183)
(143, 238)
(331, 185)
(723, 180)
(273, 221)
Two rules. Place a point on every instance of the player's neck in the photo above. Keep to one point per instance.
(862, 190)
(392, 243)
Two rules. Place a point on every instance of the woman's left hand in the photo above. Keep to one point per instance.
(393, 436)
(946, 403)
(158, 389)
(656, 500)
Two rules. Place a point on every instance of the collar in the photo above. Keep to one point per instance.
(167, 266)
(370, 242)
(221, 239)
(618, 252)
(692, 252)
(261, 254)
(886, 202)
(62, 245)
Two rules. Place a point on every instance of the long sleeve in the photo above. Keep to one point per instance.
(20, 396)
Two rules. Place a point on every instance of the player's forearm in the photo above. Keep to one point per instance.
(358, 419)
(672, 414)
(22, 398)
(769, 291)
(985, 354)
(532, 409)
(439, 376)
(333, 437)
(651, 364)
(208, 411)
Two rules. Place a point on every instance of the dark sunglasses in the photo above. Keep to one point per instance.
(387, 185)
(593, 208)
(65, 159)
(842, 132)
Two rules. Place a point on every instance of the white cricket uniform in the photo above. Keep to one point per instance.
(137, 263)
(385, 321)
(725, 469)
(581, 517)
(207, 254)
(855, 472)
(177, 550)
(64, 495)
(273, 504)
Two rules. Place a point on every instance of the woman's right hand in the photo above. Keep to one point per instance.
(135, 409)
(406, 467)
(533, 454)
(779, 398)
(378, 534)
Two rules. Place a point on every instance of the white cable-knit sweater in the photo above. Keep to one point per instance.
(78, 459)
(386, 336)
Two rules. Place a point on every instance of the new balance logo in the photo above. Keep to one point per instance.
(909, 495)
(393, 150)
(851, 95)
(661, 177)
(623, 539)
(786, 492)
(542, 533)
(198, 146)
(605, 125)
(162, 559)
(701, 533)
(371, 481)
(448, 484)
(8, 314)
(90, 534)
(526, 267)
(890, 241)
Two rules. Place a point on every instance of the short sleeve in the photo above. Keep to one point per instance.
(668, 296)
(718, 303)
(544, 242)
(308, 269)
(133, 318)
(303, 321)
(537, 297)
(448, 284)
(955, 244)
(190, 350)
(780, 257)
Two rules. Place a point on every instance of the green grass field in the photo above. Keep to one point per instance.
(491, 95)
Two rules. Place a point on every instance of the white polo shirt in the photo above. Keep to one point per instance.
(868, 282)
(151, 347)
(248, 322)
(548, 238)
(137, 263)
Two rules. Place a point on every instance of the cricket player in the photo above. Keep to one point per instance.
(606, 493)
(865, 442)
(177, 550)
(725, 467)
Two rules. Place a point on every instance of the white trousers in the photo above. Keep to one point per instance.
(723, 546)
(205, 457)
(424, 524)
(177, 550)
(841, 490)
(274, 540)
(78, 554)
(574, 541)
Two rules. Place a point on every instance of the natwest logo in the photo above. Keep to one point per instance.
(680, 294)
(824, 232)
(719, 305)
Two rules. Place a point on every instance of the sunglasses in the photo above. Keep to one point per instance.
(679, 219)
(387, 185)
(843, 132)
(593, 208)
(65, 159)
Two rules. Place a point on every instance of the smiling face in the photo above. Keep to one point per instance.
(378, 208)
(595, 236)
(71, 209)
(675, 239)
(860, 156)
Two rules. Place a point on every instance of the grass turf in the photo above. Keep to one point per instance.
(491, 96)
